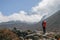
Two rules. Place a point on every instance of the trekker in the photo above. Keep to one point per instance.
(44, 26)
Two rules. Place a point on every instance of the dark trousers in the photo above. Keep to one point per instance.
(44, 30)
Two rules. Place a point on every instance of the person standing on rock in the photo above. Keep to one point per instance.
(44, 26)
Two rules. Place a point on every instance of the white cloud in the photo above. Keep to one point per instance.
(3, 18)
(45, 7)
(21, 16)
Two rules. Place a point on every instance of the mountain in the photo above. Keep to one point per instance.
(18, 24)
(53, 24)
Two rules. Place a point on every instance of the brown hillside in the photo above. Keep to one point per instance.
(7, 34)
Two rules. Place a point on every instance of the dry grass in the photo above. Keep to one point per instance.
(7, 34)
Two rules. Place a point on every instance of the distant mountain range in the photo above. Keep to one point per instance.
(53, 24)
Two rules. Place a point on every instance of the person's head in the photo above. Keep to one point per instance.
(44, 20)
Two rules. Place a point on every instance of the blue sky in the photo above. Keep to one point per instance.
(17, 10)
(7, 7)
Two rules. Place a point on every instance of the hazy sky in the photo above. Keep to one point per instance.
(27, 10)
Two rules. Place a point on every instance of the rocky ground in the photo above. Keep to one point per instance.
(7, 34)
